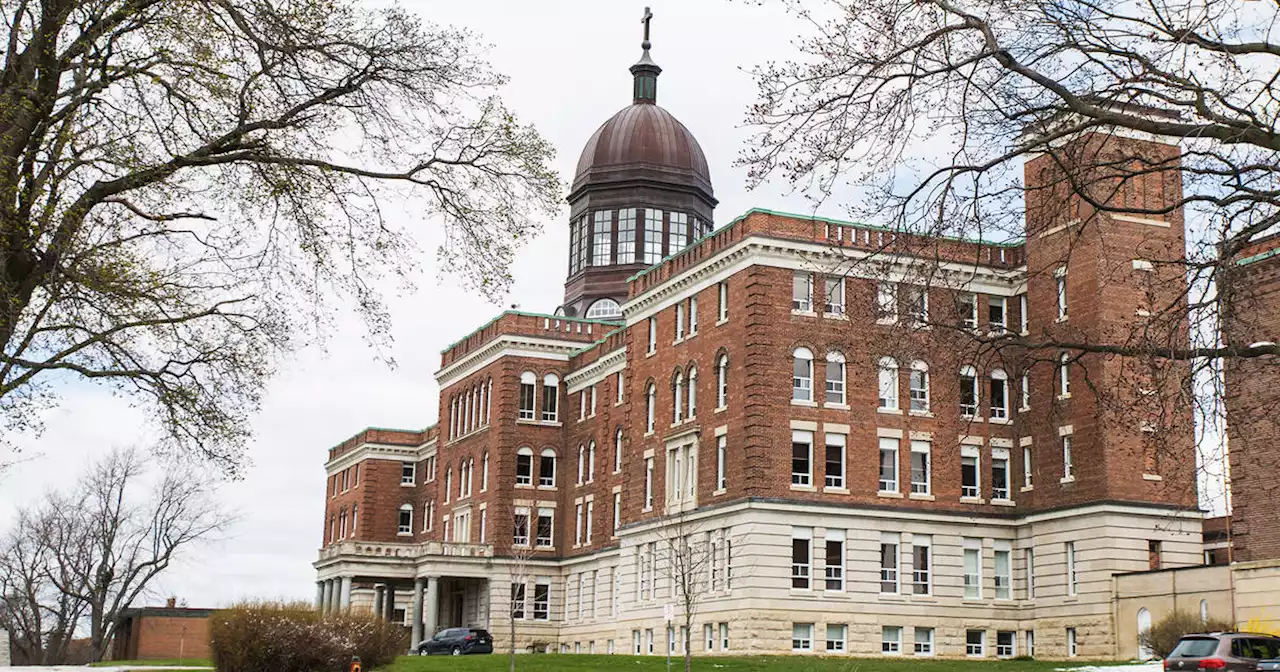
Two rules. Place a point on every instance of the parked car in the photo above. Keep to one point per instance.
(457, 642)
(1226, 651)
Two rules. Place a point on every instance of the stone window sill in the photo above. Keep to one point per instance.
(838, 407)
(1152, 477)
(803, 488)
(924, 497)
(804, 402)
(972, 500)
(889, 494)
(1067, 479)
(889, 411)
(835, 491)
(1003, 502)
(922, 414)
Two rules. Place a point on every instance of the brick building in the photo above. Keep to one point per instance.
(815, 406)
(162, 633)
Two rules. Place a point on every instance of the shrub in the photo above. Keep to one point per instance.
(293, 637)
(1166, 632)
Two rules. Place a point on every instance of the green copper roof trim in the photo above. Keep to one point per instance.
(527, 314)
(812, 218)
(1262, 256)
(596, 343)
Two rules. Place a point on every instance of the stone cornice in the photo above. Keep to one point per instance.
(522, 346)
(380, 451)
(596, 371)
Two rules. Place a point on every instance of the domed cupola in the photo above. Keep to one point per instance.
(642, 192)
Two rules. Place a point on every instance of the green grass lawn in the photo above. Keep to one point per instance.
(560, 662)
(186, 662)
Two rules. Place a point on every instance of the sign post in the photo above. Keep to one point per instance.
(669, 613)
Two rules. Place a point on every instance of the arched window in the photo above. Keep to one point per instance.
(484, 472)
(968, 391)
(488, 402)
(547, 468)
(528, 395)
(617, 451)
(650, 401)
(693, 392)
(722, 382)
(888, 383)
(524, 466)
(999, 395)
(835, 378)
(406, 520)
(677, 397)
(919, 387)
(802, 375)
(453, 417)
(591, 461)
(1144, 625)
(604, 309)
(550, 397)
(582, 463)
(1064, 375)
(480, 417)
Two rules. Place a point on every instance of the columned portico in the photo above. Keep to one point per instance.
(344, 597)
(328, 597)
(320, 596)
(419, 584)
(433, 606)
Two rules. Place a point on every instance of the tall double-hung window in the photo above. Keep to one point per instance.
(602, 243)
(652, 236)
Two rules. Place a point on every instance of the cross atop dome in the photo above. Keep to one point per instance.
(645, 89)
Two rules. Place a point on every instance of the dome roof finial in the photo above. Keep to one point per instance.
(648, 16)
(645, 89)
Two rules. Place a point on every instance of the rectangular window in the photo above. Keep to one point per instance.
(975, 642)
(891, 640)
(918, 389)
(969, 476)
(679, 225)
(541, 601)
(835, 461)
(618, 388)
(653, 335)
(1026, 391)
(918, 305)
(1072, 648)
(802, 637)
(627, 236)
(801, 543)
(920, 475)
(709, 634)
(578, 526)
(1061, 282)
(724, 301)
(886, 302)
(1022, 313)
(835, 379)
(724, 636)
(1029, 559)
(837, 633)
(801, 458)
(924, 641)
(679, 321)
(617, 511)
(550, 399)
(888, 562)
(888, 384)
(1003, 571)
(521, 536)
(648, 484)
(1026, 466)
(888, 464)
(1031, 643)
(547, 471)
(1153, 554)
(524, 469)
(1073, 577)
(408, 473)
(722, 448)
(1000, 473)
(968, 310)
(602, 246)
(527, 402)
(1004, 644)
(834, 560)
(921, 554)
(544, 539)
(999, 396)
(406, 522)
(693, 315)
(997, 314)
(652, 236)
(1068, 471)
(968, 393)
(834, 296)
(802, 291)
(517, 600)
(972, 569)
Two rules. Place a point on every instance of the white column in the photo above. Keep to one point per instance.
(328, 596)
(432, 606)
(344, 597)
(319, 595)
(377, 600)
(416, 613)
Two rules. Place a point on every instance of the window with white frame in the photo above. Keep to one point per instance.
(834, 475)
(591, 510)
(651, 402)
(648, 484)
(837, 635)
(921, 564)
(834, 569)
(1073, 577)
(653, 335)
(1003, 570)
(968, 392)
(802, 375)
(406, 520)
(722, 448)
(679, 321)
(546, 521)
(997, 314)
(972, 569)
(518, 597)
(541, 601)
(591, 461)
(582, 463)
(724, 636)
(709, 635)
(617, 511)
(1068, 468)
(484, 472)
(919, 387)
(1072, 644)
(835, 378)
(1060, 280)
(604, 309)
(679, 225)
(602, 247)
(999, 395)
(918, 305)
(692, 394)
(723, 296)
(920, 467)
(924, 641)
(802, 637)
(1031, 643)
(1026, 391)
(801, 560)
(617, 450)
(550, 397)
(524, 466)
(967, 307)
(1026, 465)
(1064, 375)
(886, 302)
(1029, 566)
(693, 316)
(834, 302)
(520, 536)
(970, 487)
(802, 291)
(677, 397)
(891, 640)
(722, 382)
(975, 642)
(547, 468)
(408, 473)
(1000, 473)
(889, 562)
(888, 383)
(593, 401)
(618, 387)
(801, 457)
(652, 236)
(888, 464)
(1022, 313)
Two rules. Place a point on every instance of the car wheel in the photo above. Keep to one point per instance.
(457, 651)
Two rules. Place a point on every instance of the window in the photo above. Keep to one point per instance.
(652, 236)
(802, 637)
(1072, 648)
(835, 378)
(801, 458)
(1073, 578)
(888, 562)
(582, 463)
(968, 392)
(547, 468)
(550, 397)
(834, 570)
(802, 375)
(891, 640)
(577, 524)
(679, 321)
(653, 335)
(408, 473)
(722, 382)
(972, 569)
(541, 601)
(999, 395)
(679, 225)
(406, 520)
(920, 475)
(724, 301)
(918, 306)
(677, 397)
(1060, 278)
(724, 636)
(591, 508)
(520, 537)
(1026, 391)
(1004, 644)
(709, 634)
(524, 466)
(650, 402)
(517, 600)
(837, 633)
(1003, 571)
(924, 641)
(1031, 643)
(1000, 473)
(693, 316)
(835, 460)
(617, 511)
(575, 242)
(888, 464)
(921, 554)
(1029, 559)
(722, 447)
(545, 521)
(693, 393)
(975, 642)
(887, 303)
(888, 379)
(919, 387)
(1153, 554)
(967, 307)
(802, 292)
(801, 543)
(617, 451)
(604, 309)
(834, 297)
(618, 388)
(969, 487)
(591, 461)
(484, 472)
(1068, 472)
(997, 314)
(648, 636)
(1064, 376)
(1022, 313)
(648, 484)
(602, 248)
(627, 236)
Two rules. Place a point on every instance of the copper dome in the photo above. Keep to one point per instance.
(643, 141)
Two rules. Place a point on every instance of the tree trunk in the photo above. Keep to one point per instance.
(512, 617)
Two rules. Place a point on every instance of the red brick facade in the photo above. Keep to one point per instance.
(163, 634)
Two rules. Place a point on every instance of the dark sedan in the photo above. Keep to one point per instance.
(457, 642)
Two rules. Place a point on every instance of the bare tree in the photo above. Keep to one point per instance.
(695, 562)
(518, 605)
(184, 187)
(96, 549)
(42, 620)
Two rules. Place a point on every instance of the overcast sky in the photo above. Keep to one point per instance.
(568, 62)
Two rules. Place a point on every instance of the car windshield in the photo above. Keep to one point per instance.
(1194, 647)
